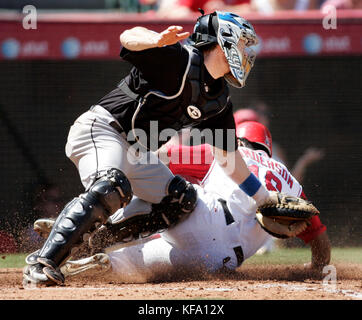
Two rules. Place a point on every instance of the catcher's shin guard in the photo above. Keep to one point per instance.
(82, 215)
(178, 204)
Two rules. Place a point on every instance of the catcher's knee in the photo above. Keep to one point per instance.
(113, 191)
(180, 201)
(183, 192)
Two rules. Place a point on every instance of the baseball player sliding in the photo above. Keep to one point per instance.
(171, 86)
(223, 230)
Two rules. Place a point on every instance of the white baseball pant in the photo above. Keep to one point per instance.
(94, 146)
(201, 243)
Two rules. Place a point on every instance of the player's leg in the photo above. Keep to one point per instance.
(161, 199)
(151, 181)
(197, 245)
(107, 190)
(78, 219)
(141, 219)
(95, 147)
(141, 262)
(201, 244)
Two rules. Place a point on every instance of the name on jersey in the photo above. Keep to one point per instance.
(268, 163)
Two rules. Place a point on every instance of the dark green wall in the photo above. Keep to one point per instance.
(313, 102)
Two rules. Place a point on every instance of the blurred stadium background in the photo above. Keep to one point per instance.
(309, 76)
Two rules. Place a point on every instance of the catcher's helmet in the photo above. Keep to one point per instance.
(256, 132)
(234, 35)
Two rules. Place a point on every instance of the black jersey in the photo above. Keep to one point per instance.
(162, 70)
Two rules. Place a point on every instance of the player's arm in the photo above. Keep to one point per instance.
(191, 162)
(321, 251)
(235, 167)
(316, 236)
(225, 151)
(140, 38)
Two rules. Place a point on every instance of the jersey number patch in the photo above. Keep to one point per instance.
(272, 182)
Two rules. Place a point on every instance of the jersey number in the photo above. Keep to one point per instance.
(272, 182)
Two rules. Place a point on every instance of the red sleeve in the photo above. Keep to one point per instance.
(314, 229)
(190, 162)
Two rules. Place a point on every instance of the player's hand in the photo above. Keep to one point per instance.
(171, 35)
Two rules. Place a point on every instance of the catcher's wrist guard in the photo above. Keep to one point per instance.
(251, 185)
(285, 216)
(253, 188)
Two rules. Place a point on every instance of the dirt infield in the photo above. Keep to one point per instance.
(250, 282)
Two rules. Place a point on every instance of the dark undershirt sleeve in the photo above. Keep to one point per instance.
(163, 68)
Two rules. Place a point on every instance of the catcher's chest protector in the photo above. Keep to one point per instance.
(205, 102)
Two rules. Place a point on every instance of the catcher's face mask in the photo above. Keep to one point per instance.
(234, 36)
(241, 60)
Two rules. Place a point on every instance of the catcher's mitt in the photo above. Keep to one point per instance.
(285, 216)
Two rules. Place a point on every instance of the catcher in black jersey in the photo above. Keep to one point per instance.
(171, 86)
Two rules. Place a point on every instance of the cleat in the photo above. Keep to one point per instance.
(51, 270)
(55, 275)
(40, 272)
(98, 262)
(33, 276)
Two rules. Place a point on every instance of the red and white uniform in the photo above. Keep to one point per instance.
(271, 173)
(204, 241)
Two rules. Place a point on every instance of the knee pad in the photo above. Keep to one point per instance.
(180, 201)
(84, 214)
(184, 192)
(113, 191)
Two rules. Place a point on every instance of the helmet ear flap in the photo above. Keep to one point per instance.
(205, 24)
(213, 24)
(204, 32)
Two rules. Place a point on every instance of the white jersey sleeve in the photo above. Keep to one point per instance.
(271, 173)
